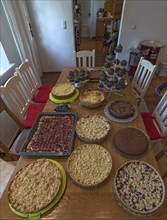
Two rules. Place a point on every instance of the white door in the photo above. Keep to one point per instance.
(86, 18)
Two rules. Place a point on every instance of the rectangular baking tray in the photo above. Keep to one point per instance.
(23, 151)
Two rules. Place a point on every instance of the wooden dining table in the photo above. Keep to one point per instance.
(78, 203)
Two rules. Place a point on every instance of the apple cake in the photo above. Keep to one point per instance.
(34, 186)
(121, 109)
(139, 188)
(92, 128)
(89, 165)
(63, 91)
(131, 142)
(92, 98)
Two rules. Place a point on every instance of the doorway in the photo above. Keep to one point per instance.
(83, 13)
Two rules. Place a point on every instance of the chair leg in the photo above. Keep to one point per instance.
(6, 151)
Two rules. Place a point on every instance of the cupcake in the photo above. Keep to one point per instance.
(100, 85)
(110, 72)
(109, 84)
(115, 79)
(118, 49)
(123, 62)
(106, 65)
(116, 61)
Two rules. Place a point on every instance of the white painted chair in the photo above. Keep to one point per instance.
(32, 82)
(16, 95)
(3, 107)
(30, 78)
(19, 100)
(84, 58)
(160, 115)
(156, 127)
(142, 79)
(157, 121)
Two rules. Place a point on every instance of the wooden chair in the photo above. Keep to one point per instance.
(142, 79)
(32, 82)
(15, 93)
(84, 58)
(6, 149)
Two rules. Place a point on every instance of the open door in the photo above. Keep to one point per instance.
(86, 18)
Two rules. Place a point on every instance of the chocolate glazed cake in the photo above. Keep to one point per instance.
(131, 142)
(121, 109)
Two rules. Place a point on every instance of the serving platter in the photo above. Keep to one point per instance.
(109, 116)
(37, 215)
(51, 149)
(59, 101)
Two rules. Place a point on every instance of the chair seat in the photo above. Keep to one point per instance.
(150, 126)
(42, 94)
(33, 111)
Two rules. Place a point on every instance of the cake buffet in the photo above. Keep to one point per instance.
(88, 153)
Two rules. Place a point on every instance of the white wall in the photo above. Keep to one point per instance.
(55, 44)
(150, 20)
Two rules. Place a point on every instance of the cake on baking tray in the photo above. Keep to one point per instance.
(63, 91)
(121, 109)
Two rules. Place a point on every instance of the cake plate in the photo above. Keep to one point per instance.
(130, 119)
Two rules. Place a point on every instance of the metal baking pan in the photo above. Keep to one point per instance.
(67, 153)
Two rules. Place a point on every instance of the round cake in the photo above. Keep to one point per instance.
(92, 128)
(34, 186)
(89, 165)
(131, 142)
(121, 109)
(92, 98)
(139, 188)
(63, 91)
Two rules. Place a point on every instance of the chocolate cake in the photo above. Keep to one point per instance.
(121, 109)
(131, 141)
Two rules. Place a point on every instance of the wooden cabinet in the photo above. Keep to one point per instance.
(100, 22)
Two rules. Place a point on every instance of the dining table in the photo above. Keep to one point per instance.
(99, 202)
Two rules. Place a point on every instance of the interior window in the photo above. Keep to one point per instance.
(5, 65)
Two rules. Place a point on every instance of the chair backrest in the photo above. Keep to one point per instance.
(160, 115)
(16, 95)
(84, 58)
(143, 76)
(30, 78)
(3, 107)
